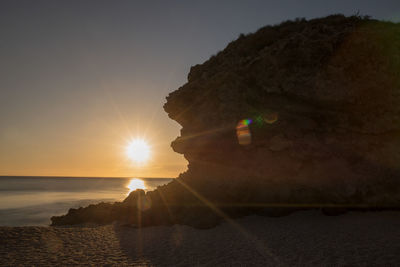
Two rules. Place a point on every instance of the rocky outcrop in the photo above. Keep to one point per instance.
(305, 114)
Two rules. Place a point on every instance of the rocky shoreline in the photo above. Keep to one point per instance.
(300, 115)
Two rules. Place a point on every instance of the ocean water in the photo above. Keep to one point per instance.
(33, 200)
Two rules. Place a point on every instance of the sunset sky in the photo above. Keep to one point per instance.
(80, 79)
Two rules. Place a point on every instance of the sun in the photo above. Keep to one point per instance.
(138, 151)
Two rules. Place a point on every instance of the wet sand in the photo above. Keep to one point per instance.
(301, 239)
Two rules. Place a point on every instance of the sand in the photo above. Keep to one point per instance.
(301, 239)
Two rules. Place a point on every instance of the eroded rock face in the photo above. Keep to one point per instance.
(321, 100)
(323, 97)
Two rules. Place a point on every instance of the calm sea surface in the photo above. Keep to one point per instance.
(33, 200)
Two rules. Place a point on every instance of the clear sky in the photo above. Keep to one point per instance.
(79, 79)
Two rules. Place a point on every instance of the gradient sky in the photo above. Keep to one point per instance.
(79, 78)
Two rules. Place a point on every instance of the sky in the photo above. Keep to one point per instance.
(80, 79)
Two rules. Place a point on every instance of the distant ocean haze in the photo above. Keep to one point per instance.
(33, 200)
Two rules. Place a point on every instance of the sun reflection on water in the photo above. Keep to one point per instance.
(136, 183)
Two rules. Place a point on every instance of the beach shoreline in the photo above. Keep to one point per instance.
(300, 239)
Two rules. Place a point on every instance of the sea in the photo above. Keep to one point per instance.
(32, 201)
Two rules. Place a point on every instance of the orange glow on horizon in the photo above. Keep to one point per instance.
(99, 150)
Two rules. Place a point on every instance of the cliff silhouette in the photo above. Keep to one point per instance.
(300, 115)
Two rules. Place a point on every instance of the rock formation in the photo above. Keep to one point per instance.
(305, 114)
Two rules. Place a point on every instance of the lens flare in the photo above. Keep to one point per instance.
(243, 132)
(270, 118)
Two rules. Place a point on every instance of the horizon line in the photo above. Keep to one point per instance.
(112, 177)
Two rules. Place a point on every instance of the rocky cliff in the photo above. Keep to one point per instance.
(304, 114)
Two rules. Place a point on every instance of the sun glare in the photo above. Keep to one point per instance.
(138, 151)
(136, 184)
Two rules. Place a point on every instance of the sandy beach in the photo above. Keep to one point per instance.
(301, 239)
